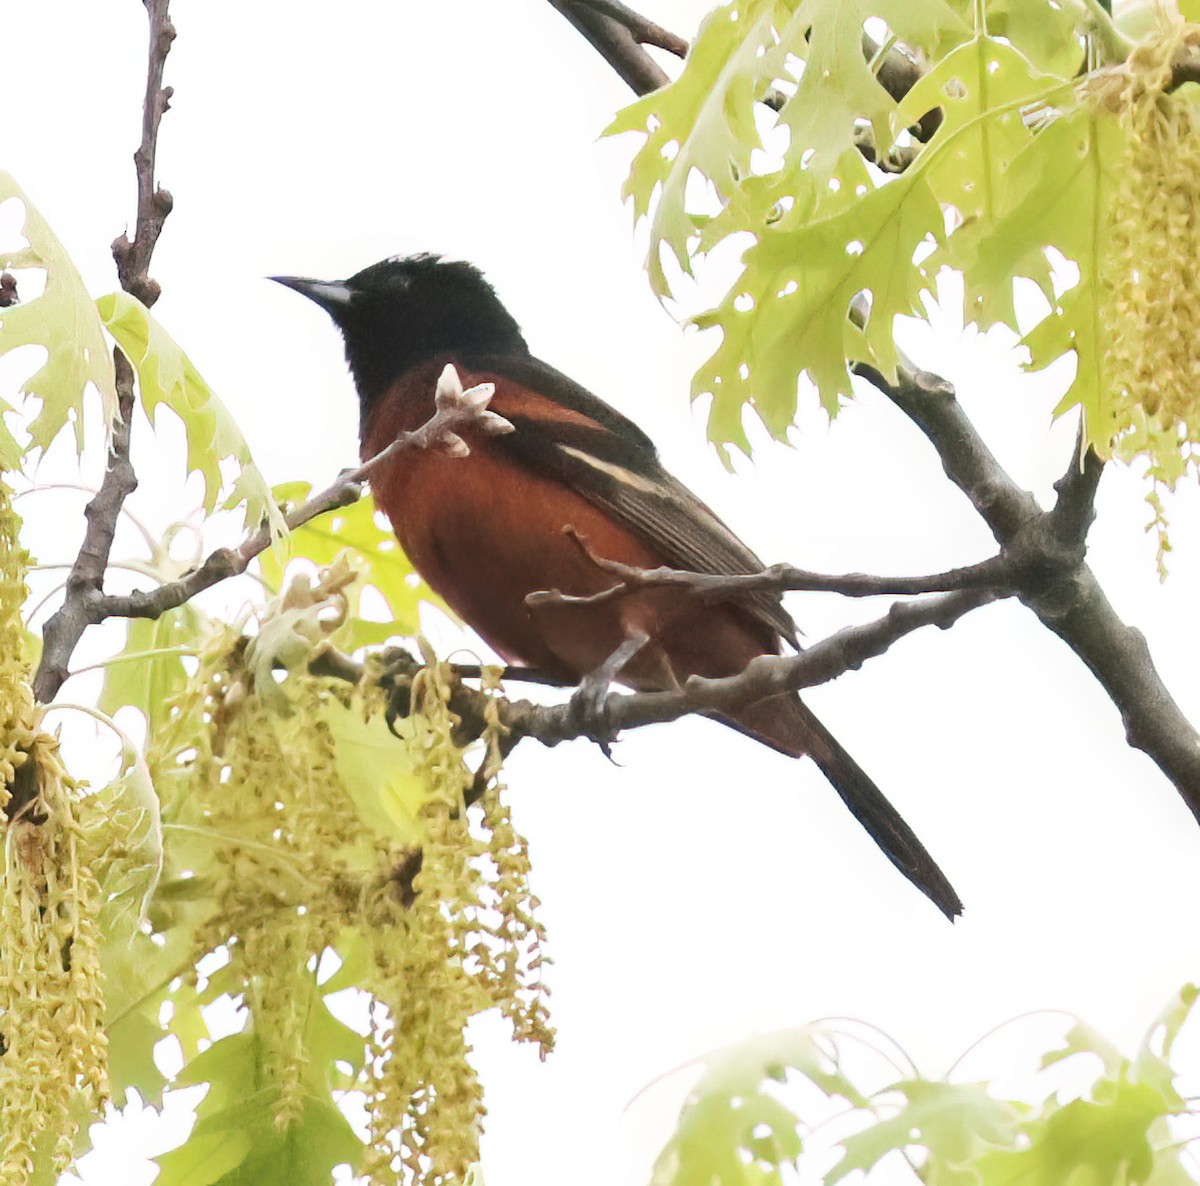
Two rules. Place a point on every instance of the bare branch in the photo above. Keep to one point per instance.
(644, 30)
(929, 402)
(154, 203)
(990, 574)
(85, 584)
(1075, 511)
(1046, 550)
(456, 411)
(765, 676)
(613, 40)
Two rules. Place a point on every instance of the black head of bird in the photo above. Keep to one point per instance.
(407, 309)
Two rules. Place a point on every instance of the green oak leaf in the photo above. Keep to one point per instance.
(1049, 35)
(787, 313)
(377, 772)
(703, 122)
(1152, 1064)
(1082, 1039)
(64, 321)
(1060, 187)
(1101, 1141)
(838, 88)
(955, 1122)
(979, 87)
(236, 1140)
(148, 681)
(732, 1131)
(166, 376)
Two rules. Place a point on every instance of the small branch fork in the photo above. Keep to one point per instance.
(620, 36)
(456, 411)
(1045, 551)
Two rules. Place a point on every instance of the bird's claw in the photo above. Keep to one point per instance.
(396, 671)
(589, 713)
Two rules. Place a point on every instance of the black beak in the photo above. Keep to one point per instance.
(331, 295)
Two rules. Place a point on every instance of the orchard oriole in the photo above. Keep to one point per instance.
(488, 529)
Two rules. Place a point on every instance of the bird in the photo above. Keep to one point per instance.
(506, 520)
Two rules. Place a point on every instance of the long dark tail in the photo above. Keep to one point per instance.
(787, 724)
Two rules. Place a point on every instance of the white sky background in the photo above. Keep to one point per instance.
(706, 889)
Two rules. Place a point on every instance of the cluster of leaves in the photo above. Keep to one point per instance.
(53, 1073)
(273, 845)
(304, 852)
(740, 1126)
(76, 334)
(1021, 172)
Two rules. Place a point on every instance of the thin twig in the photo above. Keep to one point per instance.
(453, 414)
(989, 574)
(154, 203)
(1075, 510)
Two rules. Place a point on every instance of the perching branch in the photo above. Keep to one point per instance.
(86, 582)
(990, 574)
(765, 676)
(1047, 551)
(455, 411)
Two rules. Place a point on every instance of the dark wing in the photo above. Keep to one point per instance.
(611, 462)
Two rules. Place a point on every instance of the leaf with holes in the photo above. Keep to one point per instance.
(955, 1123)
(838, 89)
(733, 1131)
(788, 312)
(979, 88)
(702, 123)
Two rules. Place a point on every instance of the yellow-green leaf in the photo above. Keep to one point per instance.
(64, 321)
(166, 376)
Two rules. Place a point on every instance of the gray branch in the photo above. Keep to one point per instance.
(991, 574)
(764, 677)
(1046, 550)
(85, 584)
(455, 412)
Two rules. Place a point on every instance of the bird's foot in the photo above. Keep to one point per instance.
(589, 704)
(396, 671)
(588, 711)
